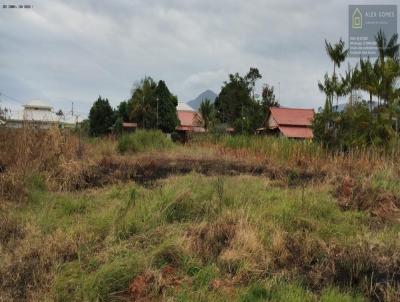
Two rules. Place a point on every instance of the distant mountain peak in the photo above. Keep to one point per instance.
(207, 94)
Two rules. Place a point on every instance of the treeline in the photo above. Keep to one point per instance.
(153, 106)
(362, 122)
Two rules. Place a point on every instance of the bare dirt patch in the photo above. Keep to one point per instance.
(148, 284)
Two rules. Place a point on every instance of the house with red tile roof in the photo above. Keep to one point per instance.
(188, 119)
(291, 122)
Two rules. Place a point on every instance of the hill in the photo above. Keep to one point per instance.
(208, 94)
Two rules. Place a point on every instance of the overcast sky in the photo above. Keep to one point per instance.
(64, 51)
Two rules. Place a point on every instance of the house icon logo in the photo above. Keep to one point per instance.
(356, 20)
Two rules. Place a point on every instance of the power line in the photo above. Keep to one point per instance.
(64, 110)
(11, 98)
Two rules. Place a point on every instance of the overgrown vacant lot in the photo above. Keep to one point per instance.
(219, 219)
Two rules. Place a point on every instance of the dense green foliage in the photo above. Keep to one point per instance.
(207, 113)
(361, 124)
(356, 126)
(123, 111)
(101, 117)
(153, 106)
(237, 105)
(143, 103)
(143, 140)
(167, 102)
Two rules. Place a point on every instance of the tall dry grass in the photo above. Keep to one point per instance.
(28, 152)
(307, 155)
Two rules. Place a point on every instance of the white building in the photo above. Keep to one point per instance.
(38, 114)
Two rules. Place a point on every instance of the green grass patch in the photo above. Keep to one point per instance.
(123, 230)
(144, 140)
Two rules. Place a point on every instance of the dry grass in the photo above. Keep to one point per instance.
(300, 216)
(303, 155)
(26, 273)
(359, 194)
(59, 159)
(29, 151)
(233, 242)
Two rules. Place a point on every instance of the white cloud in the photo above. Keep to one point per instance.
(75, 50)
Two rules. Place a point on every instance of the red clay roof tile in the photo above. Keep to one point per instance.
(296, 132)
(292, 116)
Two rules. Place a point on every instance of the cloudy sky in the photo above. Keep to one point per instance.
(64, 51)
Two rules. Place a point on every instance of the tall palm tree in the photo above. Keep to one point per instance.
(328, 87)
(391, 75)
(350, 81)
(388, 51)
(368, 80)
(337, 53)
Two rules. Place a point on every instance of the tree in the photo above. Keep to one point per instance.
(350, 82)
(123, 111)
(251, 77)
(387, 65)
(60, 113)
(268, 97)
(337, 53)
(232, 99)
(328, 88)
(101, 117)
(207, 113)
(356, 126)
(368, 79)
(235, 104)
(142, 105)
(387, 49)
(268, 100)
(166, 115)
(153, 106)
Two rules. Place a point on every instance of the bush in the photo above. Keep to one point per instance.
(355, 127)
(144, 140)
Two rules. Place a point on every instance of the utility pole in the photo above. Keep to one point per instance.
(157, 112)
(72, 109)
(279, 91)
(242, 118)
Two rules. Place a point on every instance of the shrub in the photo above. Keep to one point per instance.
(355, 127)
(144, 140)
